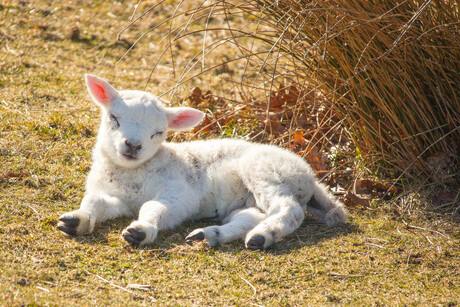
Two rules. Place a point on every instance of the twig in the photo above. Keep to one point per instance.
(376, 245)
(34, 210)
(428, 238)
(205, 35)
(135, 10)
(253, 288)
(421, 228)
(426, 229)
(114, 285)
(131, 23)
(418, 134)
(43, 289)
(404, 30)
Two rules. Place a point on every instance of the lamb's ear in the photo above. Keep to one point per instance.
(182, 118)
(102, 92)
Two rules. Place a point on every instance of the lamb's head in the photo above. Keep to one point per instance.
(135, 123)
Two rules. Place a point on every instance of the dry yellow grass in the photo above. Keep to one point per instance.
(383, 256)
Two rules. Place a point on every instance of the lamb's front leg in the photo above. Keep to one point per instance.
(93, 208)
(157, 215)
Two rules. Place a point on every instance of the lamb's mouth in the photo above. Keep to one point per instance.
(129, 156)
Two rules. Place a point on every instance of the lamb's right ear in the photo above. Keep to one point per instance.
(102, 92)
(181, 119)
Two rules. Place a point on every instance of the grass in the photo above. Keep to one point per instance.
(387, 254)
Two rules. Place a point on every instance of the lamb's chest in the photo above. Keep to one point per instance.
(132, 187)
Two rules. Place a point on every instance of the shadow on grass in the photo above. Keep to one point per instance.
(310, 233)
(102, 231)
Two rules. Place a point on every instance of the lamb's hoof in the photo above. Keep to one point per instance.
(196, 235)
(70, 221)
(68, 225)
(256, 243)
(134, 236)
(68, 230)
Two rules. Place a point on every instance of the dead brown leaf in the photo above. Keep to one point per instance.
(284, 96)
(443, 199)
(317, 160)
(195, 97)
(207, 124)
(372, 185)
(351, 199)
(16, 175)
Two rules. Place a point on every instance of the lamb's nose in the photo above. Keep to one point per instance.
(132, 145)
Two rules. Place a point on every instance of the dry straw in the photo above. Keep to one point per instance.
(390, 69)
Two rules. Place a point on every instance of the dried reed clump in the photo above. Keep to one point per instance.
(389, 70)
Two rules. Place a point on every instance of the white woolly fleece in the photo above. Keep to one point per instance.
(259, 192)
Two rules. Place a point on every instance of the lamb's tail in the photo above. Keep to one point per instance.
(326, 207)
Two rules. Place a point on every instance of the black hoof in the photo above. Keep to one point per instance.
(131, 240)
(196, 237)
(256, 243)
(68, 230)
(134, 236)
(70, 221)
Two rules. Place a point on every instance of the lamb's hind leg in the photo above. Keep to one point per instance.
(235, 226)
(325, 207)
(285, 216)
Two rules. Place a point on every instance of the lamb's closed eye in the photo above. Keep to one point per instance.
(115, 120)
(157, 133)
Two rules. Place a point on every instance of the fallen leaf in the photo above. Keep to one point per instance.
(275, 103)
(374, 185)
(195, 97)
(292, 96)
(318, 161)
(274, 125)
(16, 175)
(298, 138)
(207, 124)
(352, 199)
(439, 164)
(442, 199)
(207, 95)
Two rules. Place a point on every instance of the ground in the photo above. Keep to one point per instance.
(383, 256)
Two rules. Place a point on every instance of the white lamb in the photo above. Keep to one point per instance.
(258, 192)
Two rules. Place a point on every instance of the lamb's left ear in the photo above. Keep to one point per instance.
(100, 90)
(182, 118)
